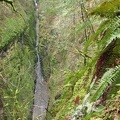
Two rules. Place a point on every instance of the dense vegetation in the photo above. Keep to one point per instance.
(17, 60)
(80, 52)
(83, 55)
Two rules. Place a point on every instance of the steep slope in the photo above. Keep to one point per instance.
(17, 60)
(80, 46)
(80, 56)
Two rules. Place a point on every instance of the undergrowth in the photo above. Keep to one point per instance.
(18, 81)
(88, 91)
(17, 58)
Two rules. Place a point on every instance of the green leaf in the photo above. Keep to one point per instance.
(110, 76)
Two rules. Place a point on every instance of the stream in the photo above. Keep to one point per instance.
(41, 88)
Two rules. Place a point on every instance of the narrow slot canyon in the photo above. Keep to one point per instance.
(41, 89)
(59, 59)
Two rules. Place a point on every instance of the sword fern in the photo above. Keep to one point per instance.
(108, 78)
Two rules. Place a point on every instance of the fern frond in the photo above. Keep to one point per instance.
(107, 8)
(110, 76)
(111, 29)
(94, 38)
(112, 32)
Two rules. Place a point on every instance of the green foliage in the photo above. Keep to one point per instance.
(17, 77)
(105, 39)
(17, 66)
(108, 78)
(108, 8)
(104, 42)
(88, 105)
(12, 28)
(9, 2)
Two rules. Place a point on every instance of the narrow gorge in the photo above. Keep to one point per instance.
(59, 59)
(20, 97)
(41, 88)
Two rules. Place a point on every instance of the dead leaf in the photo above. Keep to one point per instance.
(76, 101)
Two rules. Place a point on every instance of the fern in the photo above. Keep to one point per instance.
(112, 32)
(107, 9)
(110, 26)
(105, 39)
(110, 76)
(87, 106)
(95, 37)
